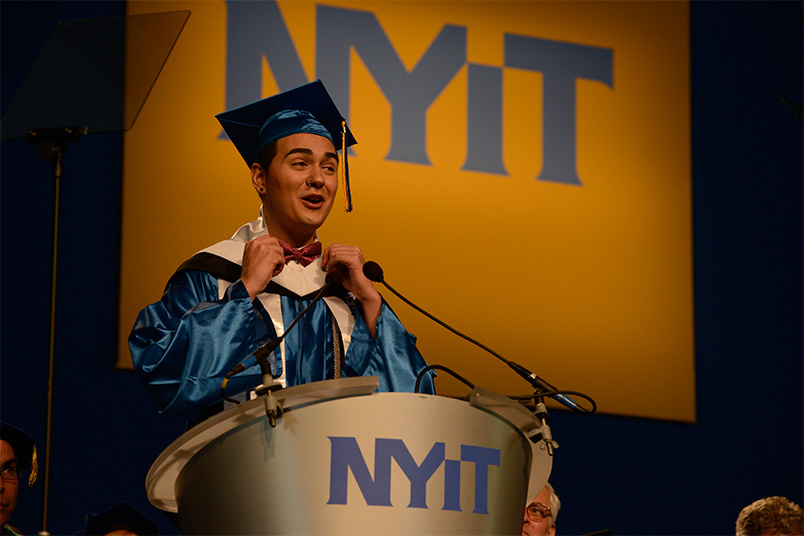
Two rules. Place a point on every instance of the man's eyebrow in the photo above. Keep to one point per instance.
(299, 150)
(9, 462)
(304, 150)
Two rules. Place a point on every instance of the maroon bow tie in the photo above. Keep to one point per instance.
(303, 256)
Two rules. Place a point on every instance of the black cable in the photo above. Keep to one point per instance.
(442, 324)
(454, 374)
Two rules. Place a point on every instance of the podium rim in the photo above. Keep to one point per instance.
(161, 477)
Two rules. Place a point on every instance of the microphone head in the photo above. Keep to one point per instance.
(373, 271)
(334, 277)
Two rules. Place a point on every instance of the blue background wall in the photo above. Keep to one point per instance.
(633, 476)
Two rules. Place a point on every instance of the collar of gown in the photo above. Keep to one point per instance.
(297, 278)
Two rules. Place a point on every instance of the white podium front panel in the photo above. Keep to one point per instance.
(386, 463)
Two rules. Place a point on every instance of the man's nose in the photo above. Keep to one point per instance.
(316, 177)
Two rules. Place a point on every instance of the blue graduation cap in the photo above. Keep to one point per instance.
(305, 109)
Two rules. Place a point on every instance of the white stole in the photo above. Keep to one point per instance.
(301, 280)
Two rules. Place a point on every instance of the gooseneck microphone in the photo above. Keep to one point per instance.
(262, 353)
(272, 408)
(374, 272)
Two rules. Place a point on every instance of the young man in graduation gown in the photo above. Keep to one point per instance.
(232, 298)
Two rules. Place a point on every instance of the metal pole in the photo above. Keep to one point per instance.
(57, 173)
(51, 144)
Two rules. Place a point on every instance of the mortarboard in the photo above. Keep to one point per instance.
(121, 516)
(305, 109)
(24, 449)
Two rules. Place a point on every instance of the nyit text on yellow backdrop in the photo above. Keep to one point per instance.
(522, 172)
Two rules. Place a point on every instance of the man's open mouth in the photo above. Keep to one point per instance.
(315, 200)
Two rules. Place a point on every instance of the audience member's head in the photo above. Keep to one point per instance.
(771, 516)
(17, 457)
(541, 514)
(121, 519)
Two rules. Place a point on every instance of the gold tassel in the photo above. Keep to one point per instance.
(344, 171)
(34, 468)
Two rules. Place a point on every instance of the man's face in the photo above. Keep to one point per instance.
(8, 489)
(545, 527)
(300, 186)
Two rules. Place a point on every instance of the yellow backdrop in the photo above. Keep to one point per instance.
(588, 286)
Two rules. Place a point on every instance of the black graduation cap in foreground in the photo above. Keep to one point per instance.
(24, 449)
(121, 516)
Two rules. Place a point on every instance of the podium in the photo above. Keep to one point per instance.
(343, 459)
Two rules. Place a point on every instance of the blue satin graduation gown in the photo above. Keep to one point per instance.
(184, 345)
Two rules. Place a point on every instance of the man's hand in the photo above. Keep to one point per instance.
(263, 258)
(349, 261)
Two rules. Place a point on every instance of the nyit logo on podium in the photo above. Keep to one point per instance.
(346, 455)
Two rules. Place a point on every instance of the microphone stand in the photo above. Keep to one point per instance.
(374, 272)
(273, 409)
(541, 413)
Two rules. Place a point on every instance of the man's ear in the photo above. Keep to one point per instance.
(258, 178)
